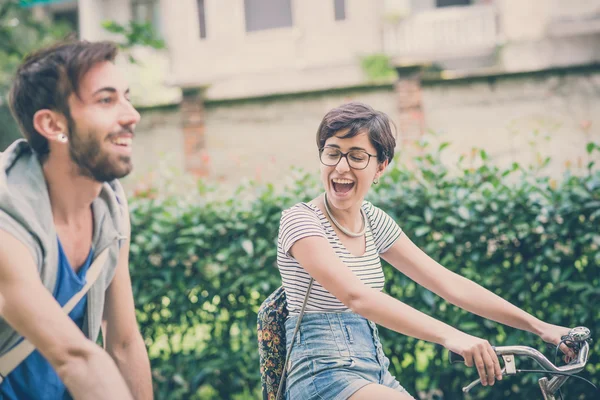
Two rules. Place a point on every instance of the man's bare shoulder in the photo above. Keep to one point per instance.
(15, 258)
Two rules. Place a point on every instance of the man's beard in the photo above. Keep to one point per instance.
(86, 152)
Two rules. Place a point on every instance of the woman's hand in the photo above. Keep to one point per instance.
(476, 352)
(553, 334)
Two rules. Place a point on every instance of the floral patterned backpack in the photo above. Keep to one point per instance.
(271, 342)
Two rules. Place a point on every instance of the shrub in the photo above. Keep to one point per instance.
(201, 269)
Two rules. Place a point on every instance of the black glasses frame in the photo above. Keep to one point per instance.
(344, 155)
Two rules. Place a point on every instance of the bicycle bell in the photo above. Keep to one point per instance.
(579, 334)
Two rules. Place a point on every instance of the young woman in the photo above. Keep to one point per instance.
(338, 239)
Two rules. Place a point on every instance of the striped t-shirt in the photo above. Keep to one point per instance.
(305, 220)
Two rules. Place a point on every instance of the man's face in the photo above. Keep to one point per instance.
(101, 124)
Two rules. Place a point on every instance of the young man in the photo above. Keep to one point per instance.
(61, 207)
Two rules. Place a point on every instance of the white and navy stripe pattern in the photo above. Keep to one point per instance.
(305, 220)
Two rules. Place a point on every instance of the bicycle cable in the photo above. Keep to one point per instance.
(557, 348)
(541, 371)
(565, 340)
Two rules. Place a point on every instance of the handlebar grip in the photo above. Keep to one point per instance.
(455, 358)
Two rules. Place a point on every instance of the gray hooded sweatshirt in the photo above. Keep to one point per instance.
(25, 213)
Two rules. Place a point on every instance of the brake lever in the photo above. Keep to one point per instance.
(510, 368)
(471, 385)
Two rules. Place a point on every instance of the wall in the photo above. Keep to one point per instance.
(158, 145)
(540, 34)
(150, 75)
(316, 52)
(513, 118)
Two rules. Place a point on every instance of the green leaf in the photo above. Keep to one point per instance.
(590, 147)
(248, 247)
(428, 297)
(422, 230)
(428, 215)
(452, 220)
(463, 212)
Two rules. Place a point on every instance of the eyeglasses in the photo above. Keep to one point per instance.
(357, 159)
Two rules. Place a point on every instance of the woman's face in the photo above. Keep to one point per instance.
(346, 186)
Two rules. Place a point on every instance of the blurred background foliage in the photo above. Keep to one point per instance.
(202, 267)
(21, 33)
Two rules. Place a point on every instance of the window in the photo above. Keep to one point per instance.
(267, 14)
(202, 19)
(450, 3)
(147, 11)
(339, 7)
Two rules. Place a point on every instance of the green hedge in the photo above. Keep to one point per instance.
(201, 269)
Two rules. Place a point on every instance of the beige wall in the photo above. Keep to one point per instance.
(263, 140)
(540, 34)
(158, 148)
(150, 77)
(316, 52)
(93, 12)
(513, 119)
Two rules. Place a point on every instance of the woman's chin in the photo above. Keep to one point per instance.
(342, 200)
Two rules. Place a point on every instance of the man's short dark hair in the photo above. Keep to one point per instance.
(47, 78)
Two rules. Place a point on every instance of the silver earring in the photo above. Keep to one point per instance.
(63, 138)
(375, 181)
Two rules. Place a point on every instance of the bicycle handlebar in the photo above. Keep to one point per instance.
(580, 336)
(538, 357)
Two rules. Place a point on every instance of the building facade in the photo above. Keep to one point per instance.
(245, 73)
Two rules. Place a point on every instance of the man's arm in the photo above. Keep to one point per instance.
(122, 337)
(86, 370)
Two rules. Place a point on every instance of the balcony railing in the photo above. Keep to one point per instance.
(574, 10)
(580, 17)
(444, 32)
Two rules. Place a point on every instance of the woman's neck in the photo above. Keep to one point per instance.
(349, 218)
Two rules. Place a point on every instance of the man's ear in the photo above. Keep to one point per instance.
(50, 124)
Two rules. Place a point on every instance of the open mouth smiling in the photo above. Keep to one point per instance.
(341, 185)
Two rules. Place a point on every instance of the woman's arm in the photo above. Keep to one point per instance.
(318, 258)
(405, 256)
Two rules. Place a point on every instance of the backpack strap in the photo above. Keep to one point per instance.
(289, 353)
(16, 355)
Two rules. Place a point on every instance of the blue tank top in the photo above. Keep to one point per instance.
(35, 378)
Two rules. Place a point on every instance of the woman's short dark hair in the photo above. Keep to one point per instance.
(357, 118)
(47, 78)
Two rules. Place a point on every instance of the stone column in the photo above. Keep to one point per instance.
(409, 102)
(192, 111)
(91, 14)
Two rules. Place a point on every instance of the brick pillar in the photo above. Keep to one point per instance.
(192, 111)
(409, 102)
